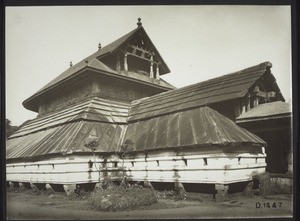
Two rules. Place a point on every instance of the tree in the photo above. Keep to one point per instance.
(9, 128)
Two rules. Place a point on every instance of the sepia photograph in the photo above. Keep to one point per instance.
(148, 112)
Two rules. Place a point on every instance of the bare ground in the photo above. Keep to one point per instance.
(26, 205)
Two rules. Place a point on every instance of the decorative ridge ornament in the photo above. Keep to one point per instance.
(139, 22)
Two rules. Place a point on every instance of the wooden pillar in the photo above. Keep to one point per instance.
(243, 106)
(256, 98)
(125, 63)
(148, 184)
(256, 102)
(248, 98)
(179, 188)
(237, 110)
(248, 190)
(26, 185)
(118, 66)
(70, 188)
(95, 88)
(157, 72)
(40, 186)
(15, 184)
(151, 67)
(221, 192)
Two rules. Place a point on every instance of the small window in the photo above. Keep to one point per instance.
(90, 164)
(116, 164)
(185, 161)
(52, 166)
(132, 163)
(256, 160)
(239, 160)
(157, 162)
(205, 161)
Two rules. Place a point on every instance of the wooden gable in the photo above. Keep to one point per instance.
(134, 52)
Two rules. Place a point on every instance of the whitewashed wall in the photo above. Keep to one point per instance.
(186, 166)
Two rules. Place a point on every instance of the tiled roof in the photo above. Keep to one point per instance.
(91, 59)
(93, 62)
(226, 87)
(199, 127)
(96, 109)
(65, 138)
(270, 110)
(66, 130)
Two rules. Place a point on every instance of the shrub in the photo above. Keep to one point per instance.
(269, 186)
(265, 184)
(121, 198)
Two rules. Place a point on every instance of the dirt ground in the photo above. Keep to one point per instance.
(26, 205)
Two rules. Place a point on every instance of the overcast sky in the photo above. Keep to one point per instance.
(196, 42)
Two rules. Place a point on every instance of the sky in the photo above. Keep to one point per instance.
(197, 42)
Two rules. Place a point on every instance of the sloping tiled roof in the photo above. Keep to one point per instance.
(96, 109)
(110, 48)
(66, 138)
(226, 87)
(92, 58)
(65, 131)
(92, 61)
(270, 110)
(199, 127)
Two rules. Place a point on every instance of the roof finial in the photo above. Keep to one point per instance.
(139, 22)
(71, 64)
(99, 46)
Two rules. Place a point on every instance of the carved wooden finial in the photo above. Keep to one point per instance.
(71, 64)
(139, 22)
(99, 46)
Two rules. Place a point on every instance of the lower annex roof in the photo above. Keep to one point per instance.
(272, 110)
(226, 87)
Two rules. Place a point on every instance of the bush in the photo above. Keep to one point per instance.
(269, 186)
(121, 198)
(265, 184)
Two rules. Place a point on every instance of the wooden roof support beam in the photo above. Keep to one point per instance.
(142, 56)
(263, 94)
(135, 48)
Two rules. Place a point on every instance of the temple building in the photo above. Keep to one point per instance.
(111, 115)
